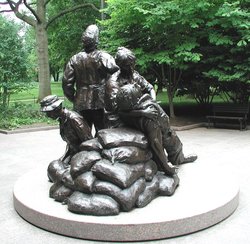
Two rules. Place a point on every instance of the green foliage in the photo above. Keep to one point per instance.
(165, 32)
(30, 50)
(238, 92)
(31, 93)
(20, 114)
(205, 44)
(65, 33)
(229, 36)
(24, 110)
(13, 69)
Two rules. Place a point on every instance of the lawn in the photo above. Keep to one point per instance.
(162, 97)
(32, 94)
(25, 110)
(56, 88)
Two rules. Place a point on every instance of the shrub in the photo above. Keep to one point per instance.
(19, 114)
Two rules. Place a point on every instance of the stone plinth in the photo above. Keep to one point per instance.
(204, 198)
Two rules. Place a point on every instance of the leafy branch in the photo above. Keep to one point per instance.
(31, 10)
(66, 11)
(14, 7)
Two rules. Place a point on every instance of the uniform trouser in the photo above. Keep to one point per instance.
(154, 135)
(94, 116)
(173, 146)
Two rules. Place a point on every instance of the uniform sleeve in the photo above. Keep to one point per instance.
(143, 83)
(68, 81)
(111, 90)
(108, 63)
(82, 129)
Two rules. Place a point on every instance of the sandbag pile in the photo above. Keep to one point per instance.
(113, 172)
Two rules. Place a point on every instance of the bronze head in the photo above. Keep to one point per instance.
(52, 106)
(90, 37)
(128, 96)
(125, 59)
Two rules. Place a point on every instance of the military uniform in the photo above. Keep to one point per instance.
(113, 84)
(156, 129)
(85, 78)
(88, 72)
(74, 130)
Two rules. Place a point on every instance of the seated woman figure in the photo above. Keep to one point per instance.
(145, 114)
(127, 74)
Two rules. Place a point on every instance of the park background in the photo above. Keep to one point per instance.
(194, 55)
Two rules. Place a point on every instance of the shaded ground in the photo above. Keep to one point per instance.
(187, 114)
(186, 120)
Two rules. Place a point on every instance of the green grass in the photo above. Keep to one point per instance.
(186, 106)
(180, 100)
(32, 94)
(56, 88)
(25, 110)
(162, 97)
(19, 114)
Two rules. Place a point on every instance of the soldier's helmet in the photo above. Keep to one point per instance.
(50, 103)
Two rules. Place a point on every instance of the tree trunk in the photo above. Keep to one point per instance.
(171, 104)
(42, 52)
(37, 19)
(43, 62)
(55, 74)
(5, 96)
(169, 90)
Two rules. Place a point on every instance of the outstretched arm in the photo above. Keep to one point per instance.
(132, 113)
(149, 112)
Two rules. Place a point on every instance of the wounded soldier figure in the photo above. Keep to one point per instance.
(143, 113)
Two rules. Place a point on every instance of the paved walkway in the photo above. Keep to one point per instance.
(229, 149)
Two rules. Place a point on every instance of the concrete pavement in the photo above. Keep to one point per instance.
(226, 148)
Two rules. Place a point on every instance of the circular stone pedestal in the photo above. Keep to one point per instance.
(204, 198)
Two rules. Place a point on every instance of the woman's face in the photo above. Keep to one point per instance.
(126, 66)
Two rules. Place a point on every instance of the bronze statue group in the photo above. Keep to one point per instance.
(131, 128)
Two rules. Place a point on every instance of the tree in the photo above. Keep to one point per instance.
(30, 49)
(65, 35)
(224, 45)
(203, 89)
(13, 70)
(35, 14)
(173, 37)
(159, 33)
(229, 38)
